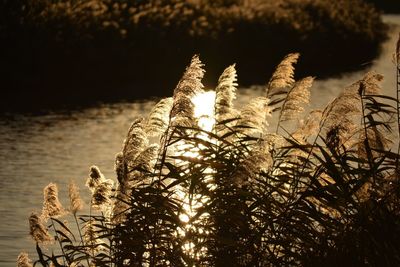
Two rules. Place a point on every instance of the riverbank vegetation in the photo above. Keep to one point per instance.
(213, 185)
(60, 52)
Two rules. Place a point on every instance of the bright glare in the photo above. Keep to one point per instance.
(204, 109)
(204, 113)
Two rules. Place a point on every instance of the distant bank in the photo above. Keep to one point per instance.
(56, 54)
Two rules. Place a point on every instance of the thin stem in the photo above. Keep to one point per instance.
(90, 227)
(80, 234)
(59, 242)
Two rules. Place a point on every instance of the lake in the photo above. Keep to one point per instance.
(59, 146)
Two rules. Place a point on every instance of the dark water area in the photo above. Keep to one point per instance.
(57, 146)
(59, 80)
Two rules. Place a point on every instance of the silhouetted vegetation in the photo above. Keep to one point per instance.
(68, 51)
(224, 189)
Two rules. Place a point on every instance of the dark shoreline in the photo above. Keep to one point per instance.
(50, 63)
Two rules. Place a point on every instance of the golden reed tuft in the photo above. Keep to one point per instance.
(38, 230)
(76, 203)
(51, 205)
(23, 260)
(225, 93)
(283, 76)
(189, 85)
(100, 187)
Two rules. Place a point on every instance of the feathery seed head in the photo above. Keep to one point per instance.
(145, 161)
(308, 127)
(101, 194)
(283, 75)
(135, 141)
(76, 203)
(23, 260)
(95, 178)
(378, 140)
(258, 160)
(225, 94)
(51, 205)
(370, 84)
(100, 187)
(342, 133)
(38, 231)
(188, 86)
(182, 113)
(296, 98)
(254, 115)
(158, 119)
(345, 105)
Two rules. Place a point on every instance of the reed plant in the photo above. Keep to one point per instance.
(226, 188)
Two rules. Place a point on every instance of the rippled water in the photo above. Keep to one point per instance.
(58, 147)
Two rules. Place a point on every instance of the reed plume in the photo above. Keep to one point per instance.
(23, 260)
(338, 117)
(295, 100)
(258, 160)
(51, 205)
(370, 83)
(135, 141)
(158, 118)
(309, 127)
(188, 86)
(76, 203)
(225, 93)
(38, 231)
(145, 161)
(100, 187)
(101, 194)
(378, 140)
(253, 115)
(95, 178)
(283, 76)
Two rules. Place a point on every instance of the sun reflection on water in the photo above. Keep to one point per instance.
(204, 113)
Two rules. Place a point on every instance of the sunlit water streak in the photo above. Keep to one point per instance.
(57, 147)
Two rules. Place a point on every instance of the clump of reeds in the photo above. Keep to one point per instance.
(51, 205)
(23, 260)
(322, 191)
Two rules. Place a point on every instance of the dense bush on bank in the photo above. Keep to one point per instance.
(113, 46)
